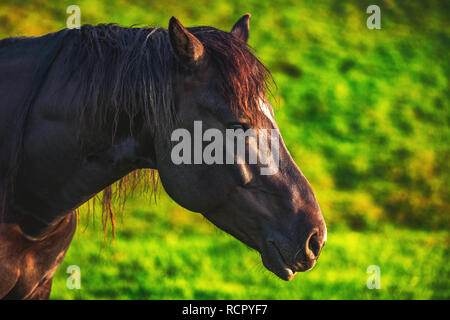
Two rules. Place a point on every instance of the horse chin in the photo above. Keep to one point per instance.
(274, 262)
(286, 274)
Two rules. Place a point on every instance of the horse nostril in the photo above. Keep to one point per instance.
(313, 245)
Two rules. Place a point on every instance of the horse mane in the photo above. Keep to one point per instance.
(131, 73)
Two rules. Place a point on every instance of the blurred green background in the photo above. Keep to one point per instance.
(365, 114)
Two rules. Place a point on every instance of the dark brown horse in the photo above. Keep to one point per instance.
(82, 109)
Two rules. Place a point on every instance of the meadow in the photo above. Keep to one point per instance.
(364, 113)
(165, 252)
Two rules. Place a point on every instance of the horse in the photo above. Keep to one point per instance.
(83, 109)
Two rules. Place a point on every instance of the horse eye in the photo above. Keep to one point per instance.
(237, 125)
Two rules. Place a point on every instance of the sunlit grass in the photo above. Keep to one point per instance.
(157, 257)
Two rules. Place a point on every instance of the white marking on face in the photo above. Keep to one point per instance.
(266, 109)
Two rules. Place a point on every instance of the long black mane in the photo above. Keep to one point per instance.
(133, 72)
(124, 72)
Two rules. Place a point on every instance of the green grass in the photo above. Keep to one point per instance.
(165, 252)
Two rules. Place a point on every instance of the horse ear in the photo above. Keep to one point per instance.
(186, 47)
(241, 29)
